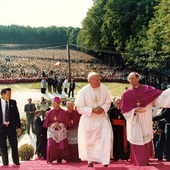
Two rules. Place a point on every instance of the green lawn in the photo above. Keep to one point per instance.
(116, 89)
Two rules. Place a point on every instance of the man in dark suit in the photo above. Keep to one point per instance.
(38, 132)
(10, 127)
(71, 88)
(30, 114)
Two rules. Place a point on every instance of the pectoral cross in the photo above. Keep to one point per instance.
(138, 103)
(72, 121)
(96, 100)
(55, 118)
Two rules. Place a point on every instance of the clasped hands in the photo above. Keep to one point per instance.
(98, 110)
(140, 109)
(56, 126)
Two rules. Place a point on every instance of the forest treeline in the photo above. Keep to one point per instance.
(136, 30)
(53, 35)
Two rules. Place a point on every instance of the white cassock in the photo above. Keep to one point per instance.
(139, 126)
(95, 136)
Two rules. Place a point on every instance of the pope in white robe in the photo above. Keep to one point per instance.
(95, 136)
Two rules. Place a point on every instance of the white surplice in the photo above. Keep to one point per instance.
(139, 126)
(95, 136)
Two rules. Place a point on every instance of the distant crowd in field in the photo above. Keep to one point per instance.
(29, 65)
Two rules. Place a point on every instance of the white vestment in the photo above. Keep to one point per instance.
(139, 126)
(95, 136)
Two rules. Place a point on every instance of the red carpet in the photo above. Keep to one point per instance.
(42, 165)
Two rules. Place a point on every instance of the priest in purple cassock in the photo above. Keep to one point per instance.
(74, 118)
(56, 122)
(136, 105)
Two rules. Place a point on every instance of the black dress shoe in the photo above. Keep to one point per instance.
(159, 159)
(17, 163)
(115, 160)
(5, 164)
(105, 165)
(59, 161)
(90, 164)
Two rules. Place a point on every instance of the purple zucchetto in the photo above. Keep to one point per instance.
(57, 100)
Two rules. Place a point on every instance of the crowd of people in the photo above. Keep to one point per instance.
(123, 125)
(28, 65)
(96, 128)
(32, 65)
(56, 135)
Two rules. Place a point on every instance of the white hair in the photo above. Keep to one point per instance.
(90, 75)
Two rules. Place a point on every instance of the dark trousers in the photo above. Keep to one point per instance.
(38, 145)
(49, 88)
(30, 121)
(71, 91)
(10, 133)
(65, 90)
(159, 146)
(167, 143)
(43, 90)
(60, 90)
(41, 143)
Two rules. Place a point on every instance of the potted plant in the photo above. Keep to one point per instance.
(26, 151)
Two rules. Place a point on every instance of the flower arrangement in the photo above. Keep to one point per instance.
(26, 151)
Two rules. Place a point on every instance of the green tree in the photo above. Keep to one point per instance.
(73, 36)
(53, 35)
(158, 44)
(135, 54)
(90, 34)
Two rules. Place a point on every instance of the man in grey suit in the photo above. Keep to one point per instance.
(10, 126)
(30, 114)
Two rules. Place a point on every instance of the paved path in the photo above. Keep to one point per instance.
(23, 94)
(22, 98)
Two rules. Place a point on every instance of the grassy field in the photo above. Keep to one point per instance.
(116, 89)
